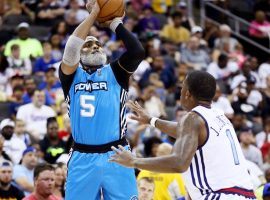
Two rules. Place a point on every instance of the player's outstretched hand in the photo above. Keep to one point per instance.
(140, 114)
(122, 157)
(92, 5)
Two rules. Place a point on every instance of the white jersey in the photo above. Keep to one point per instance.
(218, 168)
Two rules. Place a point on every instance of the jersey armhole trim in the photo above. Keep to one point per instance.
(110, 66)
(206, 126)
(118, 62)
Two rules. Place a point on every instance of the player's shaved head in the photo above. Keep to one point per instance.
(201, 85)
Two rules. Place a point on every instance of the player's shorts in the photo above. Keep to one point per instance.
(88, 173)
(222, 196)
(234, 193)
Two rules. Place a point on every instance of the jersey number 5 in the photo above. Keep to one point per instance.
(234, 151)
(87, 108)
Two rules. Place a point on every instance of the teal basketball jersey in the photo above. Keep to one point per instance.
(97, 107)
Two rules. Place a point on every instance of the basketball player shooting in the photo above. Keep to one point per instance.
(206, 150)
(96, 93)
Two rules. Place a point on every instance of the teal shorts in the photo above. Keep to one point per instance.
(89, 173)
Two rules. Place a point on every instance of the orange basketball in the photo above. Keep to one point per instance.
(110, 9)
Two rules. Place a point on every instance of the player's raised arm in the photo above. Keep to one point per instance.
(71, 57)
(140, 115)
(134, 53)
(131, 58)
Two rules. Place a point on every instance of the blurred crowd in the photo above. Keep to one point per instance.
(35, 127)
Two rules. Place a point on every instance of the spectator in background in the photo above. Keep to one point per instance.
(43, 63)
(18, 9)
(44, 181)
(264, 72)
(266, 191)
(7, 190)
(240, 122)
(31, 4)
(148, 24)
(152, 103)
(13, 147)
(254, 96)
(175, 31)
(15, 80)
(197, 31)
(221, 102)
(51, 85)
(61, 114)
(225, 42)
(60, 178)
(187, 21)
(166, 74)
(3, 74)
(24, 173)
(266, 99)
(245, 74)
(75, 15)
(146, 188)
(260, 27)
(222, 70)
(20, 132)
(57, 51)
(16, 64)
(3, 155)
(49, 13)
(35, 115)
(263, 137)
(16, 100)
(30, 88)
(241, 104)
(159, 6)
(251, 152)
(52, 146)
(62, 30)
(39, 153)
(150, 146)
(238, 55)
(193, 57)
(29, 47)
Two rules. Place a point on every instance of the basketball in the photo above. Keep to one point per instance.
(110, 9)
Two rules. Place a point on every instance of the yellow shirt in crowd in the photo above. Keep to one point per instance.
(177, 35)
(160, 6)
(163, 182)
(28, 47)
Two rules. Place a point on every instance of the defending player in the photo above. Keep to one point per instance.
(96, 93)
(206, 151)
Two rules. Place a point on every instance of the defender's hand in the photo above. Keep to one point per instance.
(122, 157)
(140, 114)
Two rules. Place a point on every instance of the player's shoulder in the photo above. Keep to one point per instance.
(192, 119)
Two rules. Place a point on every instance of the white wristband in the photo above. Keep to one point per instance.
(115, 23)
(153, 121)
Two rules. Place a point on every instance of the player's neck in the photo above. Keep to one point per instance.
(91, 69)
(204, 104)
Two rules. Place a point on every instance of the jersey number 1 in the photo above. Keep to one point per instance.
(234, 151)
(87, 108)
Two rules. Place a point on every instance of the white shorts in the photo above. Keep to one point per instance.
(222, 196)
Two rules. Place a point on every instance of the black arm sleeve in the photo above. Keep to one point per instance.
(66, 81)
(131, 58)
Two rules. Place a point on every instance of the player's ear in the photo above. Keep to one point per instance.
(187, 95)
